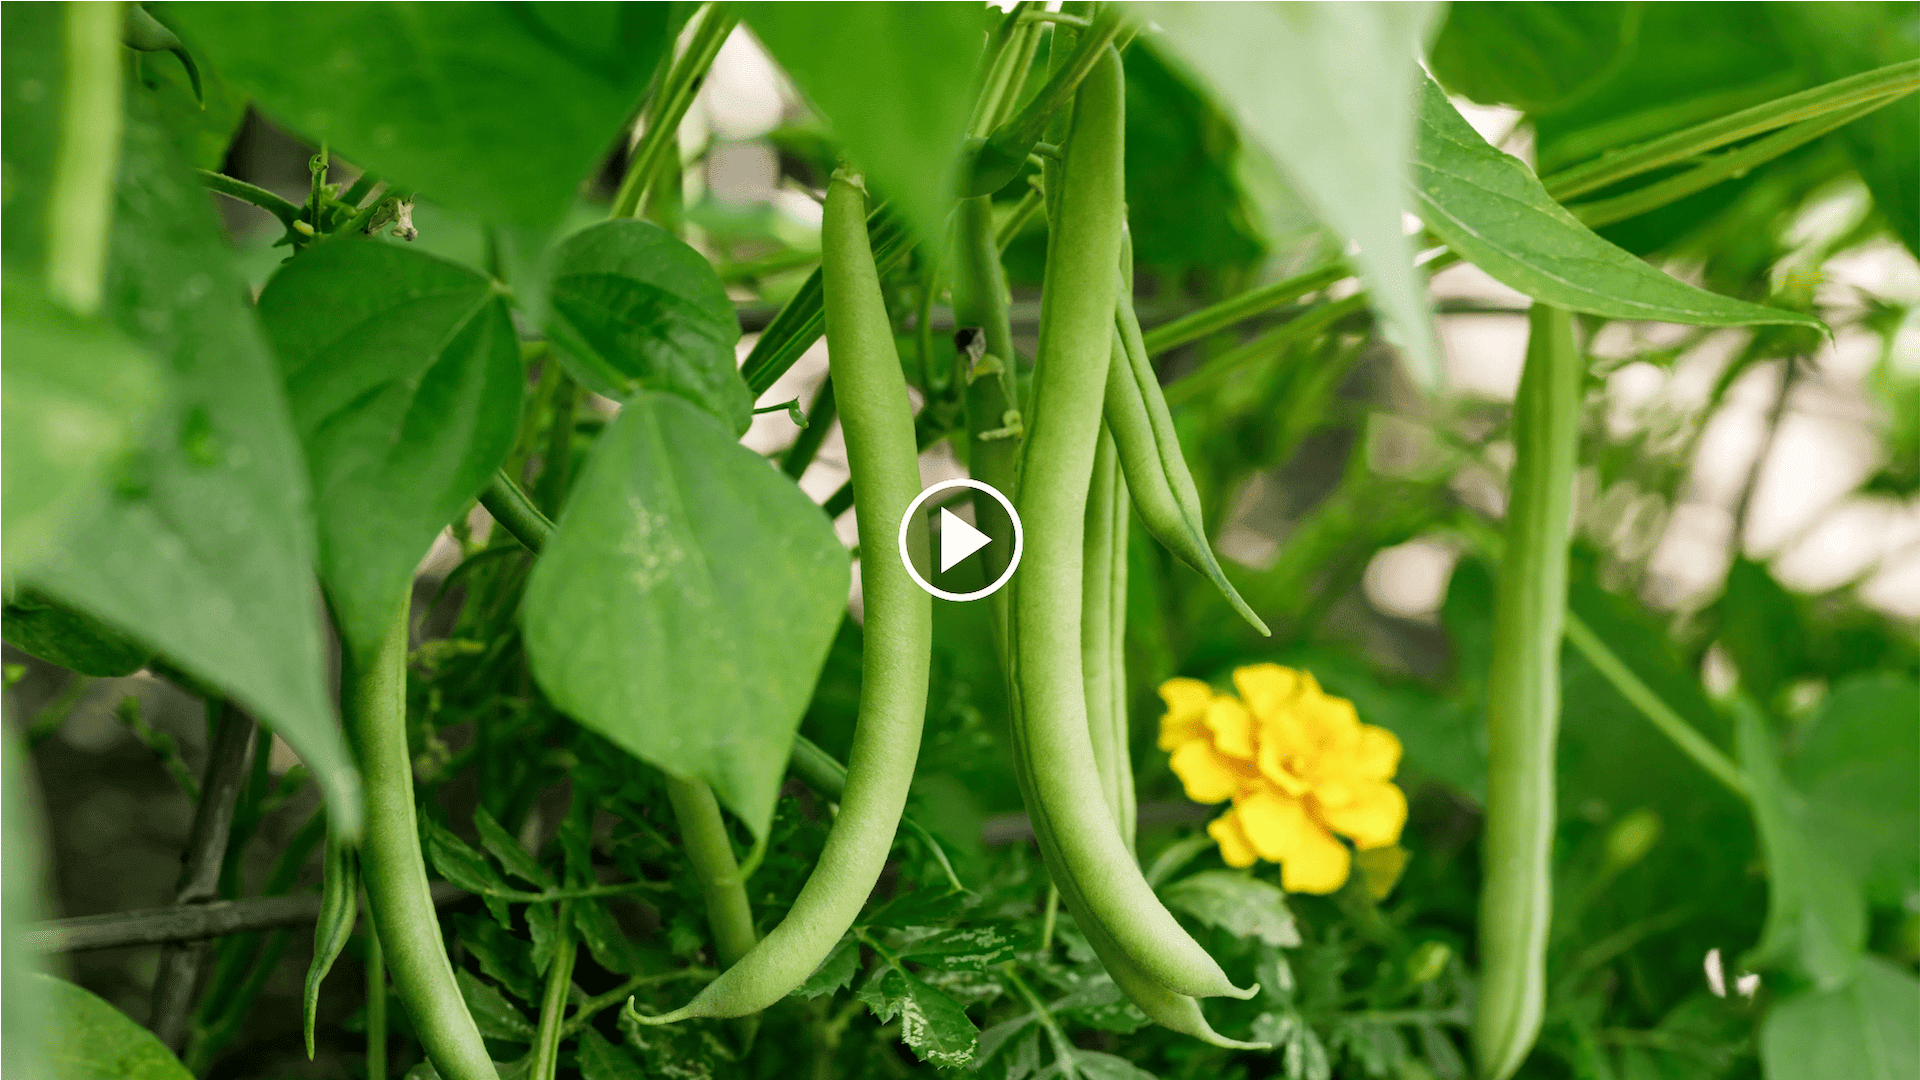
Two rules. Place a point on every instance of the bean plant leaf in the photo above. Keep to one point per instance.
(894, 81)
(601, 1060)
(610, 946)
(632, 307)
(1098, 1066)
(498, 110)
(1532, 54)
(66, 425)
(203, 551)
(502, 846)
(72, 639)
(1286, 72)
(203, 126)
(932, 1024)
(493, 1014)
(1099, 1003)
(835, 973)
(1491, 210)
(686, 601)
(1239, 903)
(24, 991)
(89, 1039)
(1816, 917)
(974, 947)
(1855, 767)
(1860, 1031)
(465, 867)
(503, 957)
(403, 373)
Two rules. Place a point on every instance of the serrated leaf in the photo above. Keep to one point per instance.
(631, 307)
(1860, 1031)
(498, 110)
(465, 867)
(895, 82)
(1236, 902)
(403, 374)
(601, 1060)
(501, 845)
(1816, 917)
(835, 973)
(610, 946)
(932, 1024)
(492, 1013)
(1099, 1003)
(959, 948)
(77, 398)
(543, 927)
(1491, 210)
(204, 551)
(686, 601)
(91, 1040)
(1287, 74)
(502, 956)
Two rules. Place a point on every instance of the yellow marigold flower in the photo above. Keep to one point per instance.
(1300, 769)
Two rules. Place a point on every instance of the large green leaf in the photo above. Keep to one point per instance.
(1532, 54)
(1815, 915)
(895, 83)
(1861, 1031)
(1288, 73)
(686, 602)
(1185, 202)
(92, 1040)
(1491, 209)
(632, 307)
(23, 999)
(496, 109)
(73, 639)
(203, 551)
(1856, 768)
(933, 1024)
(403, 374)
(77, 396)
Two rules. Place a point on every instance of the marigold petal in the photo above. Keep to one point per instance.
(1235, 849)
(1185, 719)
(1208, 777)
(1378, 755)
(1311, 860)
(1381, 868)
(1372, 818)
(1274, 764)
(1232, 727)
(1331, 721)
(1268, 688)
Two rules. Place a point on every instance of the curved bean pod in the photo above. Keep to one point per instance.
(339, 904)
(1103, 625)
(1523, 699)
(1050, 713)
(877, 417)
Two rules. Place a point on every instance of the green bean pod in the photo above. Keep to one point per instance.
(1163, 491)
(877, 417)
(392, 866)
(339, 904)
(1523, 699)
(1063, 428)
(1103, 624)
(993, 403)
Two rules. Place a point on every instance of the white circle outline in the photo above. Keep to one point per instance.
(1019, 539)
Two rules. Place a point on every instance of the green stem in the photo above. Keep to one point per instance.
(1523, 698)
(1885, 83)
(514, 510)
(1651, 706)
(553, 1005)
(1063, 1047)
(1017, 137)
(584, 1012)
(559, 458)
(586, 892)
(1023, 212)
(393, 868)
(1306, 325)
(670, 106)
(1727, 166)
(709, 848)
(80, 211)
(266, 200)
(376, 1007)
(1214, 318)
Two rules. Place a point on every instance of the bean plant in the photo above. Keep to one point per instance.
(572, 707)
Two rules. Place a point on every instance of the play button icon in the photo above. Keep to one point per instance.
(961, 539)
(958, 539)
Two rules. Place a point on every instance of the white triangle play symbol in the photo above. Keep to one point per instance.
(958, 539)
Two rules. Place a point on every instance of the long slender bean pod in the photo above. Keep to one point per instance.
(1523, 699)
(877, 416)
(393, 869)
(339, 904)
(1050, 712)
(1103, 622)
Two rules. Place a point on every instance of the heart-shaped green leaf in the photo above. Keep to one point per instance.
(631, 307)
(89, 1039)
(403, 373)
(686, 602)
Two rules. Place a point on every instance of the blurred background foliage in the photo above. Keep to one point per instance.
(1749, 512)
